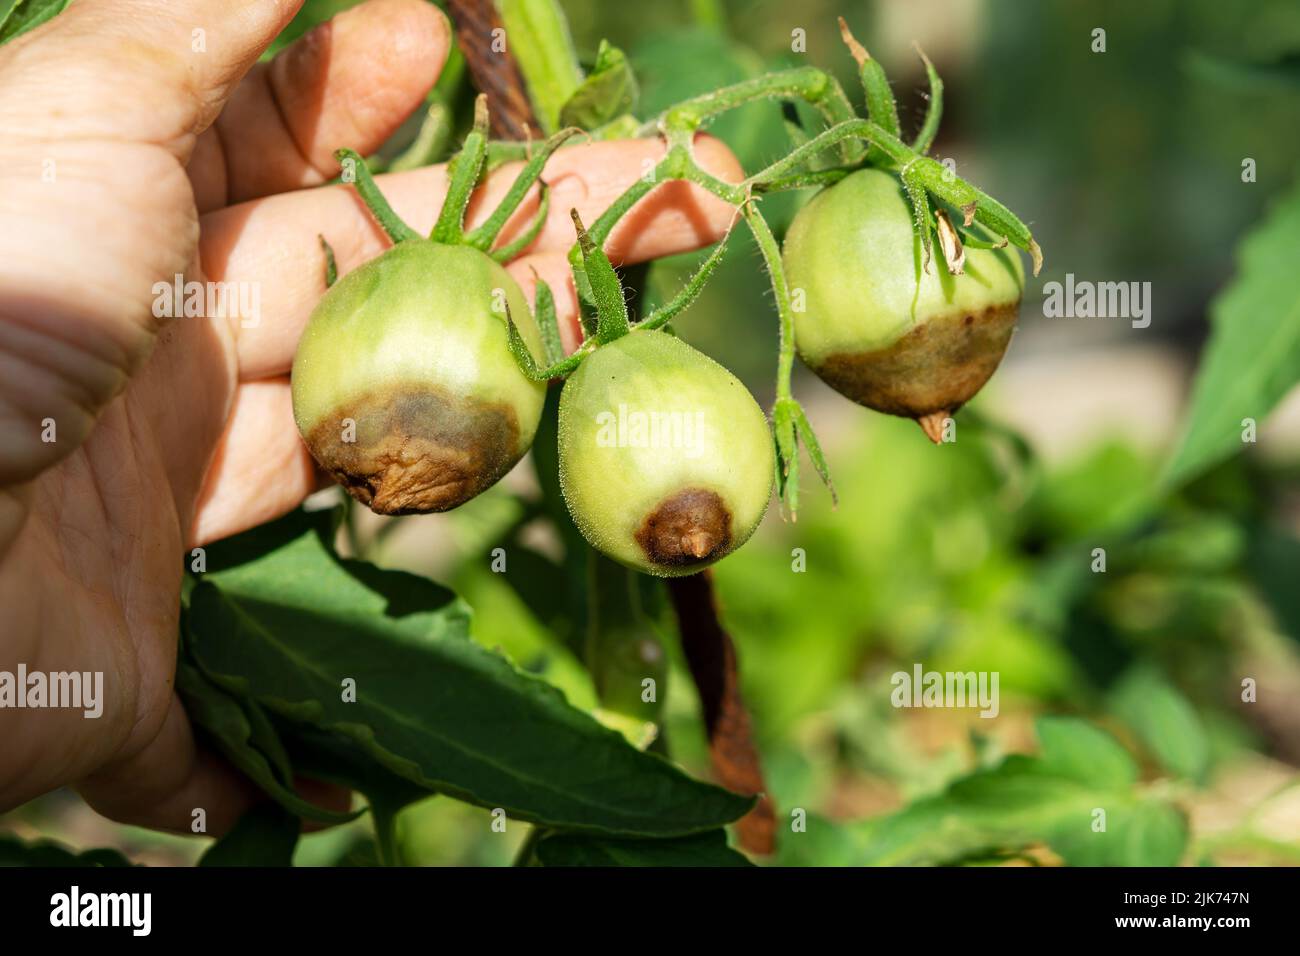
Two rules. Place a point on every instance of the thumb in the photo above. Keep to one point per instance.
(174, 63)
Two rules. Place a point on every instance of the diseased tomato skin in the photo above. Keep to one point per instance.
(851, 252)
(412, 350)
(672, 510)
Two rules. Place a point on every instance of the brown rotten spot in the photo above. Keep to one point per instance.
(417, 449)
(689, 527)
(931, 371)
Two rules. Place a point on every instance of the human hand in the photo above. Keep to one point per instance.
(129, 158)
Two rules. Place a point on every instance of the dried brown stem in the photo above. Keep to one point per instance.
(494, 70)
(711, 656)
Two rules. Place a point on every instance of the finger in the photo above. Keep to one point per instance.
(167, 783)
(148, 71)
(676, 217)
(261, 469)
(272, 244)
(349, 82)
(162, 785)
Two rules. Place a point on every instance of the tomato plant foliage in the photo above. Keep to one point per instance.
(282, 624)
(295, 661)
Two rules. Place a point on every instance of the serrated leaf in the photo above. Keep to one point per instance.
(243, 735)
(334, 758)
(264, 836)
(287, 627)
(1252, 358)
(704, 849)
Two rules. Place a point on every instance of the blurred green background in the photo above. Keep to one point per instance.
(1127, 166)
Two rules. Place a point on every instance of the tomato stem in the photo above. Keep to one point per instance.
(815, 87)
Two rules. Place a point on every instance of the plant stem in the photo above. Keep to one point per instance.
(819, 89)
(495, 73)
(776, 269)
(385, 821)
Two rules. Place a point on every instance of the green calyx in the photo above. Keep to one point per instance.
(466, 170)
(946, 214)
(610, 320)
(946, 211)
(877, 326)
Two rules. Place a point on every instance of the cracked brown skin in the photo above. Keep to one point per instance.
(692, 526)
(931, 371)
(417, 449)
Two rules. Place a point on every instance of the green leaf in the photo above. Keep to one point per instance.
(337, 759)
(1155, 835)
(1252, 358)
(1025, 802)
(703, 849)
(16, 18)
(243, 734)
(264, 836)
(608, 92)
(1165, 722)
(821, 842)
(1077, 750)
(43, 853)
(289, 626)
(1146, 833)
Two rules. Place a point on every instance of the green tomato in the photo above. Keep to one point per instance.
(404, 387)
(853, 253)
(666, 460)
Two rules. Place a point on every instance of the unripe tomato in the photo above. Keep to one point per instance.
(404, 387)
(666, 460)
(851, 250)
